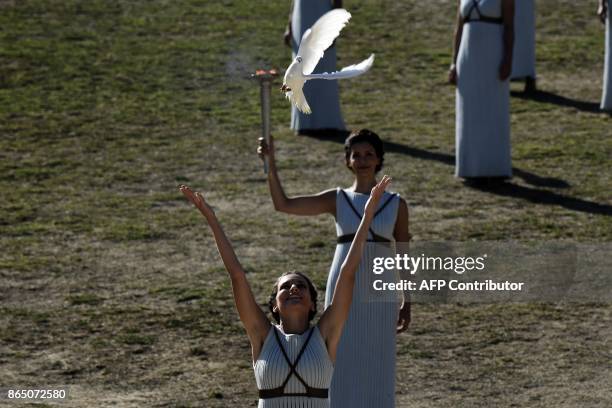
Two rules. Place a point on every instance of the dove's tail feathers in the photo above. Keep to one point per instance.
(299, 100)
(363, 67)
(346, 72)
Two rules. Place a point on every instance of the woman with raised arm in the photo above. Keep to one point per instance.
(293, 362)
(364, 374)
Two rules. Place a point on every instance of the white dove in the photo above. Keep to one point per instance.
(315, 41)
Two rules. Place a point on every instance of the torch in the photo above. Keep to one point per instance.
(265, 79)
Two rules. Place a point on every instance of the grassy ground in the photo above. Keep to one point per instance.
(110, 283)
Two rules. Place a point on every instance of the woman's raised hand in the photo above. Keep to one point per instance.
(377, 192)
(197, 199)
(265, 149)
(452, 75)
(505, 69)
(602, 11)
(287, 35)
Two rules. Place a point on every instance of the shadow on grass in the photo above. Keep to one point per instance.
(507, 189)
(554, 99)
(537, 196)
(538, 181)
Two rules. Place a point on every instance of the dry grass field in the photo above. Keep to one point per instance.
(109, 281)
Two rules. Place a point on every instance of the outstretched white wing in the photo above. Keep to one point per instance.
(320, 37)
(346, 72)
(298, 98)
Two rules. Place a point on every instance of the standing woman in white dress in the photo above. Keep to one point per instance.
(606, 97)
(323, 96)
(364, 375)
(293, 362)
(482, 63)
(523, 56)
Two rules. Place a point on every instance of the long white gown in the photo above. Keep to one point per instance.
(364, 374)
(322, 96)
(482, 123)
(523, 56)
(606, 97)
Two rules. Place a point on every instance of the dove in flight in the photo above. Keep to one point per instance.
(314, 42)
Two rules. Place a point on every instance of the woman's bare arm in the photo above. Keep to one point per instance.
(402, 236)
(452, 71)
(602, 10)
(288, 30)
(505, 68)
(321, 203)
(253, 318)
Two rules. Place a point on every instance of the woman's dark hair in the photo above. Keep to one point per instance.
(364, 136)
(311, 289)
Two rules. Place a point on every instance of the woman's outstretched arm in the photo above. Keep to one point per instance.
(402, 237)
(324, 202)
(333, 318)
(253, 318)
(505, 68)
(452, 71)
(602, 10)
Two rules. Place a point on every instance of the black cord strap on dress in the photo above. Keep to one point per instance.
(481, 17)
(348, 238)
(382, 207)
(375, 237)
(297, 359)
(280, 391)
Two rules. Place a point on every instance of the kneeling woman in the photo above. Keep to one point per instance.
(293, 362)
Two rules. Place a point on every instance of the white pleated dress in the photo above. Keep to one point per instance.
(482, 123)
(523, 56)
(606, 97)
(364, 376)
(314, 366)
(322, 95)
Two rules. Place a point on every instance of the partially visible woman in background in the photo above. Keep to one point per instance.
(482, 63)
(523, 56)
(323, 96)
(606, 97)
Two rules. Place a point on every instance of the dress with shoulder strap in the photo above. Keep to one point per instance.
(293, 370)
(482, 125)
(364, 374)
